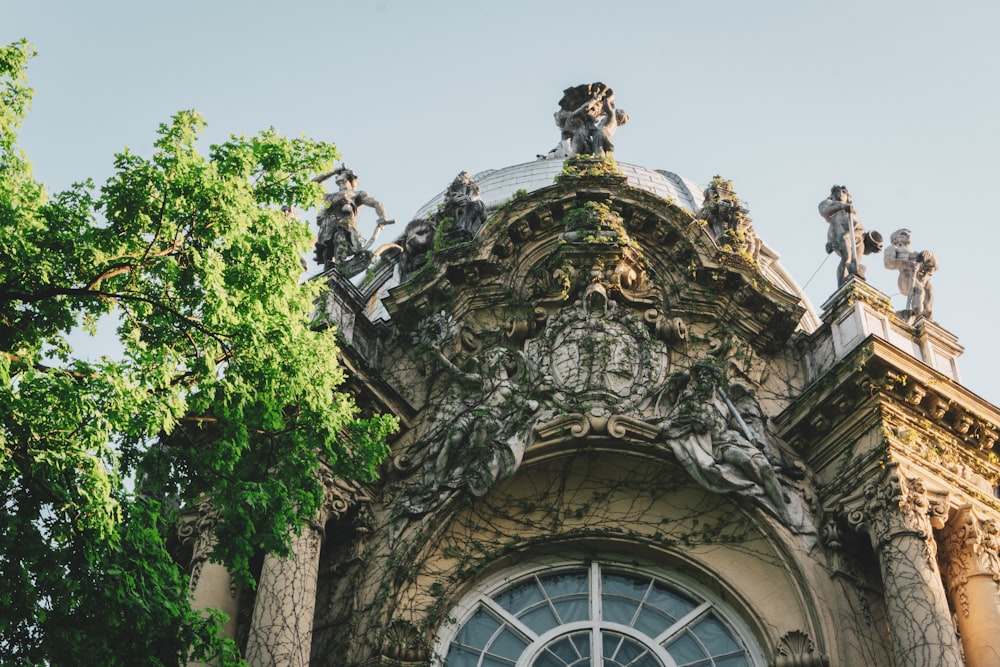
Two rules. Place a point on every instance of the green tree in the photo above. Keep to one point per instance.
(224, 388)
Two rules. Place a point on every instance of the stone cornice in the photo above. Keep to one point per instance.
(880, 384)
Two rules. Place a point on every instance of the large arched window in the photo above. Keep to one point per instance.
(596, 615)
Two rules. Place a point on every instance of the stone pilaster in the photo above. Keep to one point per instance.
(898, 516)
(971, 569)
(211, 585)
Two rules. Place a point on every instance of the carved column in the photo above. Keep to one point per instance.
(897, 515)
(281, 629)
(211, 585)
(971, 570)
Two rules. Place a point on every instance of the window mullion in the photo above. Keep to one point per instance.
(596, 616)
(683, 622)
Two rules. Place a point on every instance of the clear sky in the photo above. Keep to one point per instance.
(897, 100)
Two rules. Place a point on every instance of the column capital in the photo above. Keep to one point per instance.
(970, 548)
(339, 495)
(895, 505)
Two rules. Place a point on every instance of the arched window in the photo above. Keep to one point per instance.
(596, 615)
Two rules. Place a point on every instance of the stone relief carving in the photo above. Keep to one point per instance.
(600, 354)
(338, 238)
(587, 119)
(915, 269)
(846, 236)
(796, 649)
(719, 436)
(482, 426)
(727, 219)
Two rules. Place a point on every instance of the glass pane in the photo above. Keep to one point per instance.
(565, 583)
(546, 659)
(629, 651)
(685, 650)
(582, 642)
(620, 611)
(734, 661)
(460, 657)
(477, 630)
(573, 609)
(669, 602)
(620, 651)
(491, 661)
(611, 643)
(508, 645)
(540, 620)
(652, 621)
(619, 585)
(715, 636)
(565, 649)
(519, 597)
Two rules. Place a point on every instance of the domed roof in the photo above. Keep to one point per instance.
(499, 185)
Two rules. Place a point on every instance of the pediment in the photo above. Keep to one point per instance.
(543, 250)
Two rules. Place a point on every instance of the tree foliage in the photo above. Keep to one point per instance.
(222, 390)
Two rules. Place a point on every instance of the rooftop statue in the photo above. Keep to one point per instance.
(727, 219)
(338, 237)
(846, 236)
(915, 269)
(463, 208)
(588, 119)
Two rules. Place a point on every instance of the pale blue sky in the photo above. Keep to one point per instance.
(896, 100)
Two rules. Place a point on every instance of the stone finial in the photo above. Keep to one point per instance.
(915, 269)
(338, 238)
(846, 236)
(588, 119)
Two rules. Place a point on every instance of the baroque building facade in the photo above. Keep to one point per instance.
(626, 439)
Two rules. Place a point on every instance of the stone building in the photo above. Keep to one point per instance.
(626, 439)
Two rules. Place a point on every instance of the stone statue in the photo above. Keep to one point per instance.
(915, 269)
(846, 236)
(898, 256)
(482, 428)
(712, 440)
(727, 219)
(587, 119)
(338, 232)
(417, 241)
(464, 208)
(921, 303)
